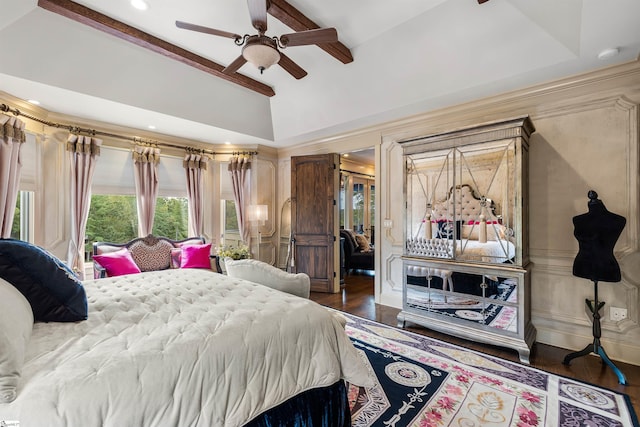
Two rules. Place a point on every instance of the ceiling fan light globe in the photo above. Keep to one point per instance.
(262, 56)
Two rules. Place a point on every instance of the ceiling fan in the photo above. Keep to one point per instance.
(264, 51)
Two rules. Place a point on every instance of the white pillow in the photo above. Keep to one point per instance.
(472, 231)
(16, 324)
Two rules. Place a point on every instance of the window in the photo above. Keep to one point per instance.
(363, 205)
(230, 229)
(15, 227)
(113, 215)
(230, 216)
(114, 218)
(171, 218)
(358, 207)
(22, 227)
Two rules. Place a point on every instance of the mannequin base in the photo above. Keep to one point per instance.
(596, 348)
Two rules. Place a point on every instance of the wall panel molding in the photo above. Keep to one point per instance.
(388, 270)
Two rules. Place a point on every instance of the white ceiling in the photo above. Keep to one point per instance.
(410, 56)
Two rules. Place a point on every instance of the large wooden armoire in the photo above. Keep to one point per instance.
(466, 269)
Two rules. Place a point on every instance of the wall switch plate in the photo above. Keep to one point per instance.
(617, 314)
(387, 223)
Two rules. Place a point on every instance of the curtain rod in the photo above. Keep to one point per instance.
(134, 139)
(357, 173)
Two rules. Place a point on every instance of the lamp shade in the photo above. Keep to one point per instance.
(259, 213)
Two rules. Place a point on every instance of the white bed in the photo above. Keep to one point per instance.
(181, 347)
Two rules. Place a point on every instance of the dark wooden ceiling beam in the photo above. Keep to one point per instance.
(97, 20)
(297, 21)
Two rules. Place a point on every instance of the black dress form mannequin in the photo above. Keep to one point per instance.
(597, 232)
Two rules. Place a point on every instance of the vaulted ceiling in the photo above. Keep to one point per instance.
(107, 61)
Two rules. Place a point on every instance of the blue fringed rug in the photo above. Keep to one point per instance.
(429, 383)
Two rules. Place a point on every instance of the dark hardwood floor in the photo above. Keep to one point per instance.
(357, 298)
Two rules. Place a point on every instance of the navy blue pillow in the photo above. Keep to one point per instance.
(52, 288)
(445, 229)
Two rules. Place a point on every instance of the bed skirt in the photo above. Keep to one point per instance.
(319, 407)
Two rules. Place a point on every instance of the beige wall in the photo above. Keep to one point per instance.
(587, 138)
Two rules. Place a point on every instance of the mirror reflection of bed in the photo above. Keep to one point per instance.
(477, 234)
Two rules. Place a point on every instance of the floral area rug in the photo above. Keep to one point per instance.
(428, 383)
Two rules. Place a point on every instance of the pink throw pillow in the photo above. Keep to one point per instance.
(176, 257)
(196, 256)
(117, 263)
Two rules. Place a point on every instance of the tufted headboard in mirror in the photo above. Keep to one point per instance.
(466, 204)
(475, 232)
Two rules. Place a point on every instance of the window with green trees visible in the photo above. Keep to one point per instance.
(15, 227)
(114, 218)
(22, 226)
(230, 216)
(171, 218)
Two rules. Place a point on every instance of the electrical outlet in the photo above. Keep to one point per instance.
(617, 314)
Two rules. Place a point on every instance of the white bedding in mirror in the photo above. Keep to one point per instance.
(494, 251)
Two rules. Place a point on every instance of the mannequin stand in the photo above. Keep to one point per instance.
(596, 347)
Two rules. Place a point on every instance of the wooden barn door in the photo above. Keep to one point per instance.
(314, 219)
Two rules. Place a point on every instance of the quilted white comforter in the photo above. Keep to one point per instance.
(179, 348)
(489, 251)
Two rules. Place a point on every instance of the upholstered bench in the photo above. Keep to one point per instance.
(265, 274)
(147, 253)
(421, 275)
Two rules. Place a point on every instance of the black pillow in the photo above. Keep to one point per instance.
(445, 229)
(53, 290)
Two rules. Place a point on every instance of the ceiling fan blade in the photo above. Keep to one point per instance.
(235, 65)
(207, 30)
(258, 13)
(482, 1)
(291, 67)
(320, 35)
